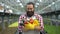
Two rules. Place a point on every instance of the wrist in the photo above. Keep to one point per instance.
(37, 28)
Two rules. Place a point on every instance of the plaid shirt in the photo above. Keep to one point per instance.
(39, 17)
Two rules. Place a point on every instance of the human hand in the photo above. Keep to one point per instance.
(24, 29)
(37, 28)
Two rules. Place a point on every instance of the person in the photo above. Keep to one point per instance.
(30, 7)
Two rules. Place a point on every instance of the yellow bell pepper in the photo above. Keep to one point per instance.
(29, 26)
(32, 26)
(36, 22)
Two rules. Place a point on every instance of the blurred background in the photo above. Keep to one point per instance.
(10, 10)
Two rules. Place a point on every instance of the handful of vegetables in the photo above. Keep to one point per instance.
(31, 24)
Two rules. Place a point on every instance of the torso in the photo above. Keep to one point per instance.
(28, 19)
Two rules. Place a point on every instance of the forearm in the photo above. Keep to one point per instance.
(20, 28)
(41, 26)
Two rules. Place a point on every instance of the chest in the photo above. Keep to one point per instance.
(30, 18)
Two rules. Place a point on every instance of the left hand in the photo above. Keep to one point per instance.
(37, 28)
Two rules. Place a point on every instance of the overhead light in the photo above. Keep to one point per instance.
(37, 3)
(7, 7)
(36, 6)
(20, 4)
(17, 0)
(53, 3)
(40, 0)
